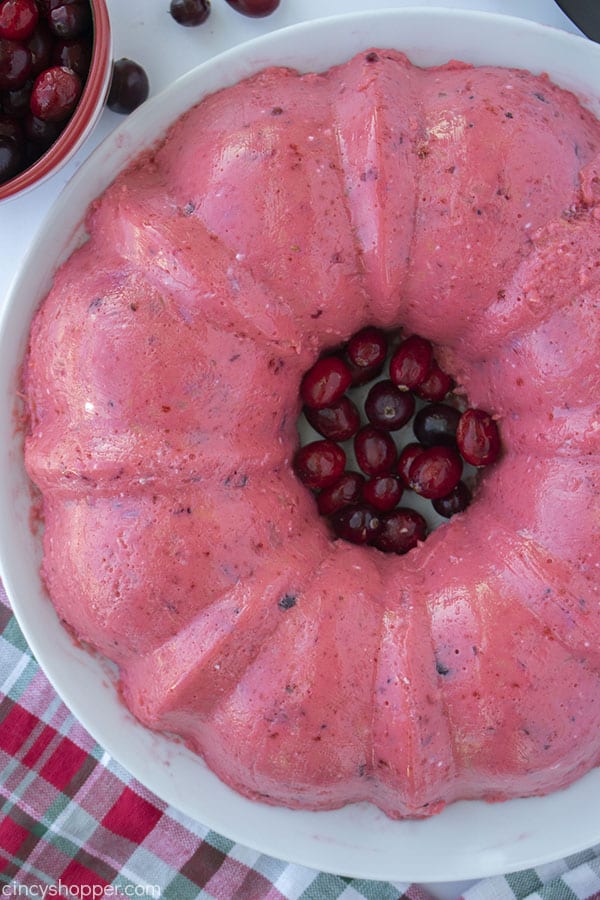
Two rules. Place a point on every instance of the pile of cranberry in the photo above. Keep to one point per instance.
(365, 507)
(45, 53)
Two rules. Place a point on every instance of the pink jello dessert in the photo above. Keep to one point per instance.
(277, 219)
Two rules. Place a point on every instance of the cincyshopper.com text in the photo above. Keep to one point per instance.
(80, 892)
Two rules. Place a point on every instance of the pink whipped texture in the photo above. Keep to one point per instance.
(277, 218)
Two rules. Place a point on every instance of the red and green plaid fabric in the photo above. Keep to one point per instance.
(74, 823)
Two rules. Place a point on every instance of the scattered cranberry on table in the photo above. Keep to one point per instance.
(410, 435)
(129, 86)
(190, 12)
(254, 8)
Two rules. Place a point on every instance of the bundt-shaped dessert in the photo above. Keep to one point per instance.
(278, 218)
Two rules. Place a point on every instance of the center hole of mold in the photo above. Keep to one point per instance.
(388, 448)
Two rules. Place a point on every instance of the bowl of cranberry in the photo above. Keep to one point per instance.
(55, 74)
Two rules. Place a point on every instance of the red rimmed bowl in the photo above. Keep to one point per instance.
(86, 115)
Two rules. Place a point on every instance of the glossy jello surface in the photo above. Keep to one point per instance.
(277, 219)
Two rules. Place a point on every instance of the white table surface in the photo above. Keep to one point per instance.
(143, 30)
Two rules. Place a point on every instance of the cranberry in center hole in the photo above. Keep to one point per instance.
(370, 399)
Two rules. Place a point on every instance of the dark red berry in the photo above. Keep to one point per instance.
(18, 19)
(55, 94)
(11, 128)
(346, 491)
(70, 21)
(435, 472)
(383, 492)
(74, 55)
(16, 103)
(190, 12)
(456, 501)
(320, 464)
(478, 438)
(411, 362)
(129, 87)
(254, 8)
(40, 132)
(365, 374)
(15, 64)
(367, 349)
(436, 423)
(388, 407)
(407, 456)
(435, 387)
(325, 382)
(401, 530)
(375, 451)
(339, 422)
(11, 158)
(358, 524)
(46, 6)
(40, 45)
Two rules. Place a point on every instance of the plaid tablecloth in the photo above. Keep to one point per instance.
(74, 823)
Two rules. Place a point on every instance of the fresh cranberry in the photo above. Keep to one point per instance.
(339, 422)
(383, 492)
(16, 103)
(18, 19)
(40, 45)
(401, 530)
(55, 94)
(11, 128)
(456, 501)
(74, 55)
(436, 423)
(11, 158)
(411, 362)
(190, 12)
(478, 438)
(69, 21)
(375, 451)
(254, 8)
(435, 387)
(346, 491)
(435, 472)
(47, 6)
(358, 524)
(15, 64)
(40, 132)
(129, 87)
(407, 456)
(362, 375)
(325, 382)
(367, 349)
(320, 464)
(388, 407)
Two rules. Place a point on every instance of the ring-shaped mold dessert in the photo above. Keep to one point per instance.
(278, 218)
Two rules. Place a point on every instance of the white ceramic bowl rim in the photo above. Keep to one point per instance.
(469, 839)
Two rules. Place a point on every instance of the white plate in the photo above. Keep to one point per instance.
(469, 839)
